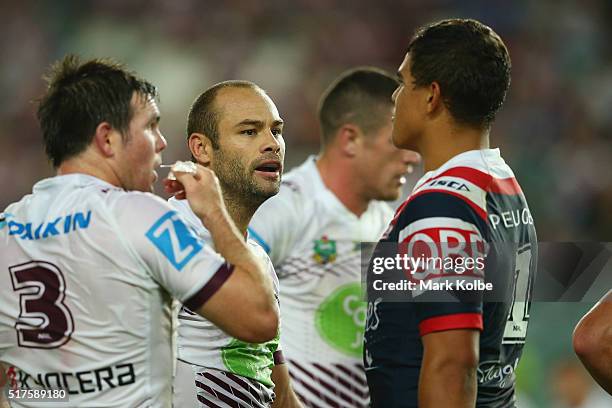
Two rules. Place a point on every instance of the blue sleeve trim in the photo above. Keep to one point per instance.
(259, 239)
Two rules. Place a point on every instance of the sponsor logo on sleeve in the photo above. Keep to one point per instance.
(174, 239)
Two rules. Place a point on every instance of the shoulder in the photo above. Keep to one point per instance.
(295, 191)
(136, 212)
(182, 207)
(261, 252)
(303, 180)
(258, 249)
(132, 202)
(457, 184)
(381, 209)
(454, 199)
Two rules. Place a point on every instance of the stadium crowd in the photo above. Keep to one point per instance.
(554, 129)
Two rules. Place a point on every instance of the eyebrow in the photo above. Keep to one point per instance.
(258, 123)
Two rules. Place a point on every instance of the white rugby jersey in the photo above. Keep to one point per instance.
(87, 275)
(314, 243)
(203, 344)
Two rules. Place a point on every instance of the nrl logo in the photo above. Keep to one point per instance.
(324, 250)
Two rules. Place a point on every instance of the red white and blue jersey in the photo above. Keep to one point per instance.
(472, 199)
(87, 275)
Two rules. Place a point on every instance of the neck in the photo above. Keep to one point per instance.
(440, 145)
(241, 214)
(337, 177)
(85, 163)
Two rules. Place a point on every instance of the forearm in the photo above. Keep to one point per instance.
(600, 365)
(457, 380)
(227, 239)
(232, 246)
(593, 342)
(285, 396)
(287, 399)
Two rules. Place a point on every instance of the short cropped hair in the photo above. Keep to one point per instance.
(204, 115)
(361, 96)
(80, 96)
(470, 63)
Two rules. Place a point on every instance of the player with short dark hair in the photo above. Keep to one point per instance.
(360, 96)
(475, 76)
(204, 115)
(449, 351)
(313, 228)
(79, 97)
(91, 259)
(234, 129)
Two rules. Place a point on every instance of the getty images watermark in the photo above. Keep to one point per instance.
(427, 271)
(489, 272)
(452, 272)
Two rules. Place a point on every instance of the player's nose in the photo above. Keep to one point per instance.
(272, 143)
(161, 142)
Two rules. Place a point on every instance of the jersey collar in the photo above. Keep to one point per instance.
(73, 179)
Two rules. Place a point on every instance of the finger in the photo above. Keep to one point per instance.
(187, 180)
(172, 186)
(201, 171)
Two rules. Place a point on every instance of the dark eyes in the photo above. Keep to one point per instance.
(253, 132)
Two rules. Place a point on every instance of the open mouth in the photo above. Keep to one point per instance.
(269, 169)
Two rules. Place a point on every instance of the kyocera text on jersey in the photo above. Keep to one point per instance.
(60, 225)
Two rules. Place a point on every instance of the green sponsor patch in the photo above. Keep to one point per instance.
(340, 319)
(251, 360)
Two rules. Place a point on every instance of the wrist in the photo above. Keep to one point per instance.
(211, 216)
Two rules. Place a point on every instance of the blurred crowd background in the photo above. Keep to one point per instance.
(554, 129)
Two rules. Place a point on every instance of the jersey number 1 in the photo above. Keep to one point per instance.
(518, 319)
(44, 320)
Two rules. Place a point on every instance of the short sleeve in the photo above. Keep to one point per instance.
(180, 261)
(275, 224)
(445, 235)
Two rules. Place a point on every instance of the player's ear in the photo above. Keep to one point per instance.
(434, 97)
(349, 137)
(201, 148)
(107, 139)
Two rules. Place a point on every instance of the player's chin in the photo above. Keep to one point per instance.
(268, 188)
(154, 178)
(400, 139)
(390, 194)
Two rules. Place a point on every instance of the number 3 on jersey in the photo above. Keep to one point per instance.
(44, 320)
